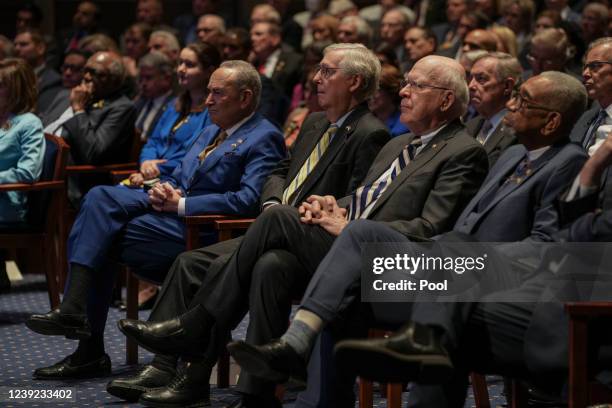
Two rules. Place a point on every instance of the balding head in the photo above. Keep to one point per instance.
(106, 72)
(549, 51)
(480, 40)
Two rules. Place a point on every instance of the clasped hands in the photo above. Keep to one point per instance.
(325, 212)
(165, 198)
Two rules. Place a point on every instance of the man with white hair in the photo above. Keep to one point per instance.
(393, 25)
(166, 43)
(354, 29)
(435, 169)
(210, 29)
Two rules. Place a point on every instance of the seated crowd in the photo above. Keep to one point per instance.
(333, 127)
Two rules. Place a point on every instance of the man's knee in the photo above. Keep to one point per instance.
(278, 214)
(363, 230)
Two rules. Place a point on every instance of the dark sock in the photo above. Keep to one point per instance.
(198, 320)
(89, 349)
(165, 362)
(75, 300)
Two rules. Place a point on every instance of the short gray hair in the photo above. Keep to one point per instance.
(555, 38)
(507, 66)
(272, 15)
(157, 61)
(448, 73)
(359, 60)
(599, 9)
(364, 31)
(216, 18)
(245, 77)
(171, 40)
(567, 96)
(597, 43)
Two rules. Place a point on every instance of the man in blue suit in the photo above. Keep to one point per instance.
(515, 203)
(223, 172)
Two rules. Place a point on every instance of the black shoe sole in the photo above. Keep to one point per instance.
(381, 364)
(153, 404)
(50, 328)
(130, 394)
(251, 360)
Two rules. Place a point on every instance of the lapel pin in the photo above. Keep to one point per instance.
(434, 146)
(348, 128)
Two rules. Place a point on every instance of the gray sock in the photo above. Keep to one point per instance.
(300, 337)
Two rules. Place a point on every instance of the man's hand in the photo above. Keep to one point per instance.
(164, 197)
(334, 224)
(149, 168)
(315, 206)
(136, 180)
(80, 96)
(590, 175)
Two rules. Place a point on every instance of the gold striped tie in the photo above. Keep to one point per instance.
(209, 149)
(310, 163)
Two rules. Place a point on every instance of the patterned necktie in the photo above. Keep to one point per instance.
(310, 163)
(522, 171)
(484, 131)
(365, 197)
(211, 147)
(590, 135)
(143, 116)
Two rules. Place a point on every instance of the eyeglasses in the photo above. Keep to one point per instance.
(418, 87)
(595, 66)
(522, 102)
(325, 71)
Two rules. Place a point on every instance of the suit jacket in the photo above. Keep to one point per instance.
(582, 126)
(56, 108)
(141, 103)
(102, 135)
(49, 84)
(288, 70)
(501, 138)
(527, 210)
(428, 195)
(229, 180)
(344, 164)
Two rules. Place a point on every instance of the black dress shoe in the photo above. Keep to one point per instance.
(276, 361)
(65, 370)
(167, 337)
(412, 354)
(131, 388)
(253, 401)
(55, 323)
(186, 390)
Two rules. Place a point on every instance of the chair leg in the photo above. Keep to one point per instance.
(51, 272)
(481, 393)
(578, 357)
(223, 370)
(366, 391)
(394, 395)
(131, 348)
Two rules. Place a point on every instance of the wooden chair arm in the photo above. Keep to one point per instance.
(39, 186)
(119, 175)
(106, 168)
(204, 219)
(588, 309)
(240, 223)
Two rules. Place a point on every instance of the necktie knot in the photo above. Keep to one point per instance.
(521, 172)
(484, 131)
(209, 149)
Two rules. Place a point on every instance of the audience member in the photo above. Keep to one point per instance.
(479, 40)
(72, 68)
(393, 25)
(549, 50)
(518, 16)
(563, 8)
(309, 104)
(151, 12)
(354, 29)
(7, 49)
(281, 66)
(324, 28)
(418, 42)
(292, 31)
(30, 46)
(447, 32)
(186, 23)
(547, 19)
(385, 103)
(135, 44)
(84, 23)
(506, 40)
(96, 43)
(221, 173)
(468, 22)
(210, 29)
(339, 170)
(489, 8)
(21, 145)
(166, 43)
(374, 14)
(30, 16)
(494, 78)
(594, 22)
(314, 9)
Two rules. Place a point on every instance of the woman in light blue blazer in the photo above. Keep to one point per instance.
(21, 142)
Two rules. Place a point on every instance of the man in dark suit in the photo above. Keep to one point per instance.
(283, 66)
(339, 170)
(155, 79)
(594, 125)
(494, 78)
(31, 46)
(488, 333)
(435, 169)
(222, 173)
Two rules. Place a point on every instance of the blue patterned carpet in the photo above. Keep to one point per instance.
(21, 351)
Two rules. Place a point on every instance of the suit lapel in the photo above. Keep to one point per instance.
(311, 137)
(495, 138)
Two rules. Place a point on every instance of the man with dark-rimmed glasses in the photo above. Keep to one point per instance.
(594, 125)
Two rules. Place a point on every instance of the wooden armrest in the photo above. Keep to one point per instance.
(204, 219)
(588, 309)
(39, 186)
(106, 168)
(240, 223)
(123, 173)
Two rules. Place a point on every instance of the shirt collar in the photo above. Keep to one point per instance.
(342, 119)
(609, 110)
(537, 153)
(426, 138)
(234, 128)
(497, 118)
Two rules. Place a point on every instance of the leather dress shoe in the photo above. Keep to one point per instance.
(131, 388)
(253, 401)
(167, 337)
(64, 370)
(56, 323)
(276, 361)
(412, 354)
(185, 390)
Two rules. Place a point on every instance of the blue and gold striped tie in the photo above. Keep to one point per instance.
(365, 197)
(310, 163)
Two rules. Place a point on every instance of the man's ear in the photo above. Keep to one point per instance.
(246, 98)
(553, 123)
(509, 85)
(356, 83)
(448, 100)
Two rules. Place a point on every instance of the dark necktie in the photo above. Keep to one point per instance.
(365, 197)
(143, 115)
(589, 138)
(484, 131)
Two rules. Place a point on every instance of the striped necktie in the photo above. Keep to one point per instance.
(484, 131)
(310, 163)
(365, 197)
(209, 149)
(590, 135)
